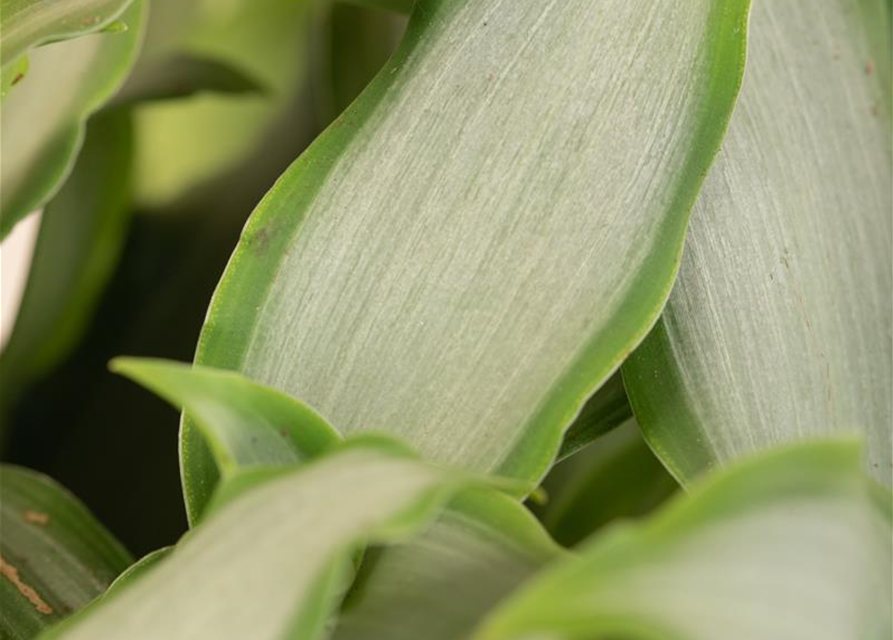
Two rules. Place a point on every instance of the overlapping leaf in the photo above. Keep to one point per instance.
(269, 563)
(477, 243)
(790, 546)
(81, 234)
(54, 556)
(440, 584)
(779, 327)
(42, 119)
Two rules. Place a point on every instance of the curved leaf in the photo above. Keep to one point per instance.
(42, 120)
(81, 235)
(246, 424)
(789, 546)
(441, 583)
(54, 556)
(28, 23)
(779, 326)
(473, 247)
(283, 543)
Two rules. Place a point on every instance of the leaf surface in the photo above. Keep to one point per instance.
(790, 546)
(475, 245)
(82, 232)
(42, 118)
(267, 564)
(779, 327)
(54, 555)
(442, 582)
(247, 424)
(28, 23)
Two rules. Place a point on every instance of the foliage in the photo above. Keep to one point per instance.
(562, 320)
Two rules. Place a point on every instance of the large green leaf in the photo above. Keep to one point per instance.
(441, 583)
(267, 565)
(81, 235)
(54, 556)
(42, 119)
(246, 424)
(475, 245)
(779, 326)
(28, 23)
(790, 546)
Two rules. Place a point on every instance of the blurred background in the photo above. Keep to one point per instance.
(224, 96)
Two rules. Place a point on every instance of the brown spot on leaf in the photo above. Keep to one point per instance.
(869, 67)
(36, 517)
(12, 574)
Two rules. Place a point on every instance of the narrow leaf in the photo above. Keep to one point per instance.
(265, 565)
(28, 23)
(441, 583)
(43, 118)
(54, 556)
(247, 424)
(472, 249)
(789, 546)
(82, 232)
(779, 326)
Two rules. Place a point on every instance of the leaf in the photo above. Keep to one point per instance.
(788, 546)
(81, 235)
(779, 326)
(607, 409)
(182, 144)
(54, 556)
(29, 23)
(441, 583)
(471, 250)
(616, 477)
(281, 543)
(137, 570)
(183, 75)
(43, 118)
(246, 424)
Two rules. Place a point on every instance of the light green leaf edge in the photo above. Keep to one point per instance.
(55, 557)
(32, 173)
(246, 424)
(318, 513)
(778, 328)
(25, 24)
(440, 584)
(82, 233)
(247, 281)
(745, 555)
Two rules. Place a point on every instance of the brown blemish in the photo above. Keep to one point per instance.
(869, 67)
(36, 517)
(17, 79)
(12, 574)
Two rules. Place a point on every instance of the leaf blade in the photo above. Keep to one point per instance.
(778, 327)
(396, 372)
